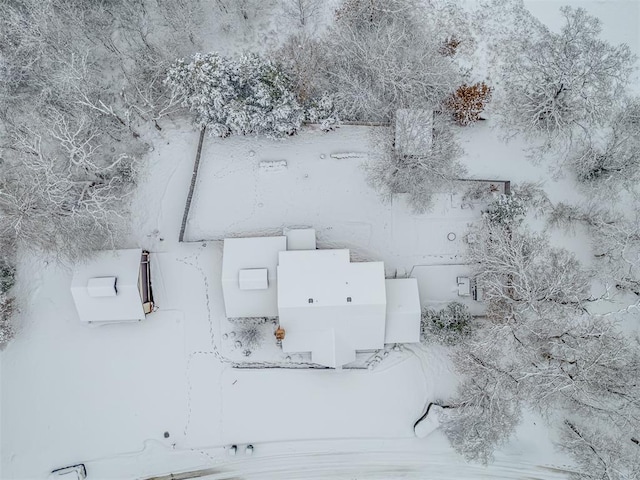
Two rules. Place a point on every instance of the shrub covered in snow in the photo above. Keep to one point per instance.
(448, 325)
(250, 337)
(247, 94)
(6, 328)
(450, 46)
(7, 273)
(506, 210)
(322, 111)
(468, 102)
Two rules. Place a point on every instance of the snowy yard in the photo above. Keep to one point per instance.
(177, 383)
(174, 392)
(235, 197)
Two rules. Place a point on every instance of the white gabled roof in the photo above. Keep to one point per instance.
(329, 278)
(329, 306)
(403, 311)
(251, 253)
(90, 285)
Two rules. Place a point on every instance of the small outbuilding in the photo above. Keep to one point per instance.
(113, 286)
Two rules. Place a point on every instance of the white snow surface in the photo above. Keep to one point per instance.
(166, 374)
(106, 395)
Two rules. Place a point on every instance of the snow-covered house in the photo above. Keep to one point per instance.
(326, 304)
(329, 306)
(113, 286)
(413, 131)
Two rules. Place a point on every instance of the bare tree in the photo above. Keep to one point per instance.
(487, 407)
(615, 239)
(245, 10)
(520, 270)
(426, 164)
(615, 456)
(378, 58)
(73, 134)
(60, 191)
(552, 83)
(610, 159)
(301, 56)
(483, 416)
(562, 364)
(303, 11)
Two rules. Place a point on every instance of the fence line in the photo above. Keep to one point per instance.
(194, 177)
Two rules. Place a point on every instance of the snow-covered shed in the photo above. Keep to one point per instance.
(249, 281)
(413, 131)
(329, 306)
(113, 286)
(403, 311)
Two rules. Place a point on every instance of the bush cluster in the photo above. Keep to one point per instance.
(448, 325)
(244, 95)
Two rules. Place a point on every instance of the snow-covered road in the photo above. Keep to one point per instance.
(372, 465)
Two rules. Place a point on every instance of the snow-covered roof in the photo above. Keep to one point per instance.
(92, 287)
(329, 306)
(326, 347)
(329, 279)
(414, 131)
(403, 311)
(251, 253)
(253, 278)
(301, 238)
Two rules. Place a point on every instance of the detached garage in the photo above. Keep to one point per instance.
(113, 286)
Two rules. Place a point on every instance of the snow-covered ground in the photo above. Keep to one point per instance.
(106, 395)
(72, 393)
(312, 188)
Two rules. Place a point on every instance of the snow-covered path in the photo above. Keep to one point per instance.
(426, 459)
(379, 465)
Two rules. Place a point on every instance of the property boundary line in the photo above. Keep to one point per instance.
(194, 177)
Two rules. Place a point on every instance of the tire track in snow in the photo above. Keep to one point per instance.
(372, 465)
